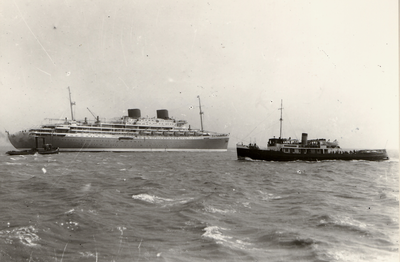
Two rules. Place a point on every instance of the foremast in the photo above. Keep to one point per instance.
(280, 129)
(201, 115)
(71, 104)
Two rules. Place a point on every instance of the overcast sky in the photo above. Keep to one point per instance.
(333, 63)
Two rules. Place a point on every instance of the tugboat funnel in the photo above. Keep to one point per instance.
(304, 139)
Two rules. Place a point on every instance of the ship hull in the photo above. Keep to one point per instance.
(104, 143)
(244, 152)
(32, 152)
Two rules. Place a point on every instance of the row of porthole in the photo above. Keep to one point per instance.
(109, 142)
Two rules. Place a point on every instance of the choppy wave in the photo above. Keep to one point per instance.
(26, 235)
(160, 200)
(348, 254)
(345, 222)
(196, 207)
(268, 196)
(212, 209)
(151, 198)
(220, 236)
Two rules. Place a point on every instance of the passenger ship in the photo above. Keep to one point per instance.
(129, 133)
(283, 149)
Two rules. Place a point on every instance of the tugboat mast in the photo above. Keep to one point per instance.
(201, 114)
(280, 130)
(71, 104)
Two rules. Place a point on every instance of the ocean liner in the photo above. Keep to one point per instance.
(287, 149)
(128, 133)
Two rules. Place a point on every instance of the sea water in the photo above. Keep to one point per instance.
(180, 206)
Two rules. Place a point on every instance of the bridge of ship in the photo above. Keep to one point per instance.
(293, 146)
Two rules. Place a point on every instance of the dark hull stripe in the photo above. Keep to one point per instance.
(269, 155)
(82, 143)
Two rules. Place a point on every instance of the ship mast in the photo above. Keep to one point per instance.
(201, 114)
(280, 130)
(71, 104)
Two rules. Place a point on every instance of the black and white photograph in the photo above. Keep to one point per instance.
(212, 130)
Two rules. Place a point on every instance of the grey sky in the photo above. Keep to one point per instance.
(334, 64)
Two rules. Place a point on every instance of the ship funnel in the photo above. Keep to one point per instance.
(162, 113)
(134, 113)
(304, 139)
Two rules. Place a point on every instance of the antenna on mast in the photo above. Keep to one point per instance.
(280, 130)
(71, 104)
(201, 114)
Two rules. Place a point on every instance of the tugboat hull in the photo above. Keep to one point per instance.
(32, 152)
(270, 155)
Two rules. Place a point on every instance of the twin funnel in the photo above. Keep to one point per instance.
(135, 113)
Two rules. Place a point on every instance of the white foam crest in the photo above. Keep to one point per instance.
(18, 157)
(179, 201)
(351, 255)
(349, 221)
(266, 196)
(160, 200)
(214, 232)
(87, 254)
(13, 164)
(246, 204)
(26, 235)
(151, 198)
(70, 211)
(92, 211)
(86, 187)
(212, 209)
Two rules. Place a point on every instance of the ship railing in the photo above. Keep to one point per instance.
(116, 128)
(368, 151)
(41, 132)
(126, 131)
(358, 151)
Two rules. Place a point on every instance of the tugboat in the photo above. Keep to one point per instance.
(283, 149)
(45, 150)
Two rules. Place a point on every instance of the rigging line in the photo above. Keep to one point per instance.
(266, 118)
(294, 132)
(252, 130)
(275, 123)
